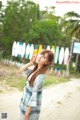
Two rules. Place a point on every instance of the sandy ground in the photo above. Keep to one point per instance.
(60, 102)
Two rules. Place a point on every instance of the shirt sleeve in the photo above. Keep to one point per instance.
(28, 70)
(38, 84)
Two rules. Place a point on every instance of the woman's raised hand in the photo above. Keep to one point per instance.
(33, 59)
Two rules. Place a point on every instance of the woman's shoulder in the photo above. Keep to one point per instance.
(40, 78)
(39, 81)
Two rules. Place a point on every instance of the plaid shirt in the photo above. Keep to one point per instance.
(32, 95)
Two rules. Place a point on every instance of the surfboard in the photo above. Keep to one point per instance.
(53, 48)
(20, 49)
(56, 55)
(14, 48)
(48, 47)
(27, 53)
(17, 49)
(66, 56)
(40, 48)
(61, 55)
(35, 52)
(31, 51)
(23, 50)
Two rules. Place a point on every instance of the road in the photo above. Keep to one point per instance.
(60, 102)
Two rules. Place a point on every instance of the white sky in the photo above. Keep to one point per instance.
(61, 8)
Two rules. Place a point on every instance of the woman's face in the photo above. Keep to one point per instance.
(42, 59)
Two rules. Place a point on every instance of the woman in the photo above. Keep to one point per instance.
(31, 99)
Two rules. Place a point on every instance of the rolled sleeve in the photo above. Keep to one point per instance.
(38, 85)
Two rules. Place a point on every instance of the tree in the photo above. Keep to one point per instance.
(1, 18)
(45, 32)
(72, 24)
(19, 17)
(48, 13)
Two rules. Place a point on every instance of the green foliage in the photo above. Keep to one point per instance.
(18, 19)
(72, 24)
(48, 13)
(23, 21)
(1, 20)
(45, 32)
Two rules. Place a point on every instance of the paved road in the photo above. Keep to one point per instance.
(60, 102)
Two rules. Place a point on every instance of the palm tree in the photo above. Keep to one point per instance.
(48, 13)
(72, 22)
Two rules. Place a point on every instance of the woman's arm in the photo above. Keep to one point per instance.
(24, 67)
(27, 113)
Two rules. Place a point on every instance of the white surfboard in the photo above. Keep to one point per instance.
(17, 49)
(48, 47)
(66, 56)
(14, 48)
(56, 56)
(27, 53)
(61, 55)
(23, 50)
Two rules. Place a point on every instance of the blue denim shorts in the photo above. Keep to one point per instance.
(22, 115)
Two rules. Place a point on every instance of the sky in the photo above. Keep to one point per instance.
(62, 6)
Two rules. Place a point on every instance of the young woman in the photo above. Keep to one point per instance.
(31, 99)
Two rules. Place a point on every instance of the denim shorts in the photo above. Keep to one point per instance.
(33, 115)
(22, 115)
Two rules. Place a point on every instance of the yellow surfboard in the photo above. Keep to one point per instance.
(40, 48)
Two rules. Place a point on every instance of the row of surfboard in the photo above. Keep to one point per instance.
(21, 50)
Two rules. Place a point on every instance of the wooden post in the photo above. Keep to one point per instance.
(70, 56)
(76, 62)
(77, 59)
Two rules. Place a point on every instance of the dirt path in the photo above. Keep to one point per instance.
(63, 103)
(60, 102)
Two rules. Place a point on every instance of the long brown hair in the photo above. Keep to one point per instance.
(43, 69)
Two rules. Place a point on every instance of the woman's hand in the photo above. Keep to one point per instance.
(33, 59)
(26, 117)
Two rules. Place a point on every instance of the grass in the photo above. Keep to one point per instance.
(19, 81)
(50, 79)
(9, 76)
